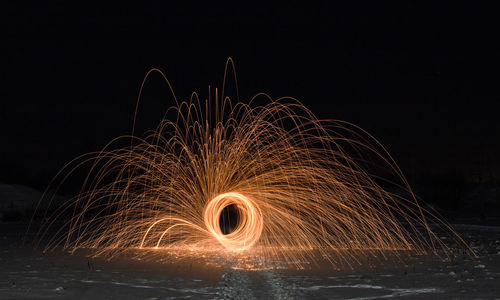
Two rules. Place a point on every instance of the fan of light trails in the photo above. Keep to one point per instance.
(295, 185)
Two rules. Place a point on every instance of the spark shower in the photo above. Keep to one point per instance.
(264, 176)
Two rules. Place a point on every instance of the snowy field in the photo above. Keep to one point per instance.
(27, 273)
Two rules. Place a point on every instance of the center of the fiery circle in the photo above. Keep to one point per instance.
(234, 220)
(229, 219)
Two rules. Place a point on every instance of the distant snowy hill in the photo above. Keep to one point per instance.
(18, 202)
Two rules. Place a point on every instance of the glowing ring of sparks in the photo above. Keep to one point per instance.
(249, 228)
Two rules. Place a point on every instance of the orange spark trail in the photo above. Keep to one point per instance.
(299, 185)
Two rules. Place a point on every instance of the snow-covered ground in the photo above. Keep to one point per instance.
(27, 273)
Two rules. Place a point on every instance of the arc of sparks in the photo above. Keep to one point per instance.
(297, 182)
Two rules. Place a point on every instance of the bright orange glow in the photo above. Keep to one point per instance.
(249, 228)
(300, 185)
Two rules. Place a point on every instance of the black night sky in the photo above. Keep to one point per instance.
(422, 78)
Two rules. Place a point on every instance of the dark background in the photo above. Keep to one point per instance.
(422, 78)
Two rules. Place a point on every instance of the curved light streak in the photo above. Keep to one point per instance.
(300, 185)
